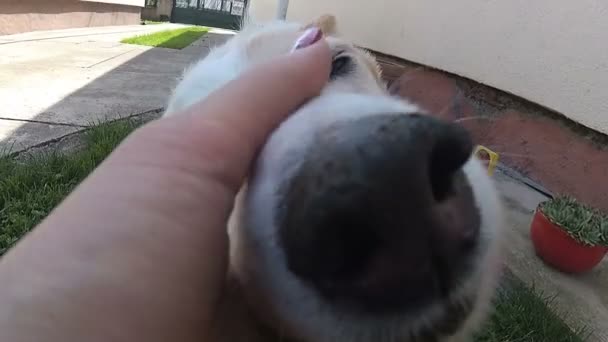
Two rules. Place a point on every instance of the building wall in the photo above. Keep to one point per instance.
(18, 16)
(139, 3)
(551, 52)
(162, 9)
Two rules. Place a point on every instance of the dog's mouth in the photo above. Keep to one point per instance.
(380, 217)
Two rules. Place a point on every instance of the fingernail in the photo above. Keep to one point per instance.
(309, 37)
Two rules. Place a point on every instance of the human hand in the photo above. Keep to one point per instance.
(138, 252)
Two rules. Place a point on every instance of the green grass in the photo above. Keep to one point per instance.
(172, 39)
(524, 314)
(30, 188)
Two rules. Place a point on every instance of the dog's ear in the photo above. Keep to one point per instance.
(326, 22)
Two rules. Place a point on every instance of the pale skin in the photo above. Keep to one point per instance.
(138, 252)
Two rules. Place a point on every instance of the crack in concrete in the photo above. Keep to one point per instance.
(42, 122)
(83, 129)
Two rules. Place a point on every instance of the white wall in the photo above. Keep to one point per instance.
(552, 52)
(139, 3)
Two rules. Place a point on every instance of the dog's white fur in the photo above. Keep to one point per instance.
(258, 265)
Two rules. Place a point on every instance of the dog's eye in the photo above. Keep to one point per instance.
(340, 66)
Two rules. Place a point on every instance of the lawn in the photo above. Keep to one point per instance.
(524, 314)
(172, 39)
(31, 187)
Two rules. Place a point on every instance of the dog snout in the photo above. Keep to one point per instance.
(380, 216)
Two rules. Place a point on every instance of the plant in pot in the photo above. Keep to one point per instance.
(568, 235)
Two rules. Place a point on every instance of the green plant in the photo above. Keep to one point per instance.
(582, 222)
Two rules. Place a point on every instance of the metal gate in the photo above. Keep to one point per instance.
(226, 14)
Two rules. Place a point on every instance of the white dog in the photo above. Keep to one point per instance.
(364, 220)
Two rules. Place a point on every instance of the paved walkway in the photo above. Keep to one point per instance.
(584, 298)
(53, 83)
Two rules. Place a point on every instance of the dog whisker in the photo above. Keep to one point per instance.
(471, 118)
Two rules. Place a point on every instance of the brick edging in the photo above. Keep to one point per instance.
(558, 153)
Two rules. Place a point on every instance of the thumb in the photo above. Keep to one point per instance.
(233, 122)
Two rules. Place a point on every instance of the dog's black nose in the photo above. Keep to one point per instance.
(380, 215)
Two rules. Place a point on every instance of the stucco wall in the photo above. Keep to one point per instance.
(18, 16)
(552, 52)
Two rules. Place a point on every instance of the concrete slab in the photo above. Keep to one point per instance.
(104, 33)
(75, 141)
(585, 297)
(23, 135)
(84, 76)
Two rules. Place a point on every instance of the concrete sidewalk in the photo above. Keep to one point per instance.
(583, 298)
(53, 83)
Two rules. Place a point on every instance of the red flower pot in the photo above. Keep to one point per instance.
(558, 249)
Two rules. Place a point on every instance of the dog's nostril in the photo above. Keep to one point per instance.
(450, 150)
(379, 214)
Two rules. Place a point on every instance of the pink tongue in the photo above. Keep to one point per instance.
(309, 37)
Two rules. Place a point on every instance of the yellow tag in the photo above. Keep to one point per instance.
(493, 157)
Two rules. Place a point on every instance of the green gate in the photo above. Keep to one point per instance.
(226, 14)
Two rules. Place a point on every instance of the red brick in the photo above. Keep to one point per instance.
(552, 155)
(538, 146)
(431, 90)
